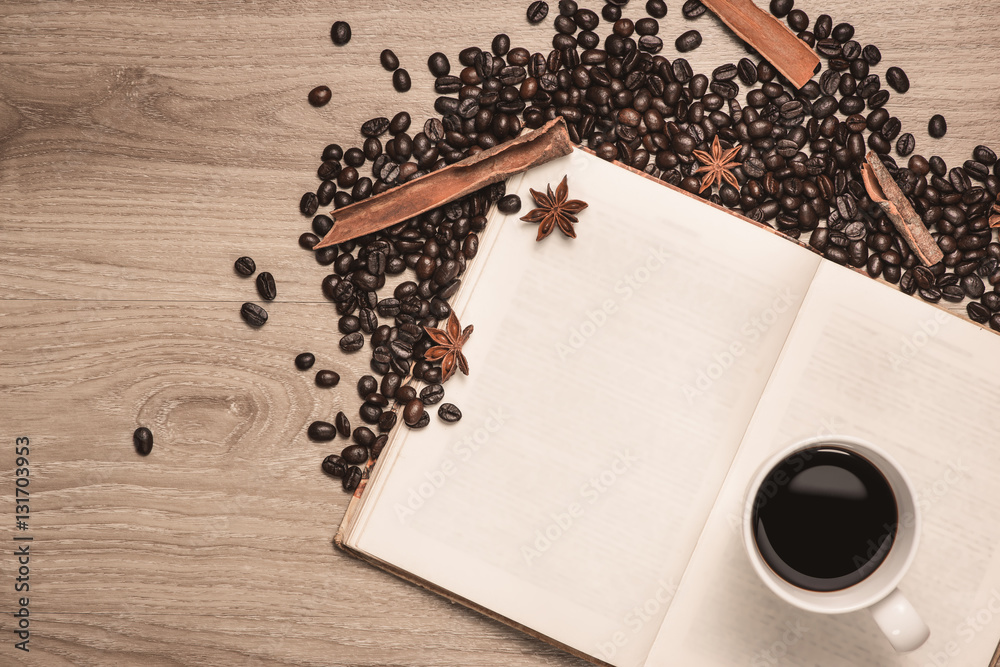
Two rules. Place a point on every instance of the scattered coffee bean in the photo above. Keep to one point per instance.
(656, 8)
(379, 445)
(780, 8)
(308, 204)
(327, 378)
(509, 204)
(937, 127)
(692, 9)
(322, 431)
(266, 287)
(905, 144)
(320, 96)
(537, 11)
(688, 41)
(308, 240)
(253, 314)
(367, 385)
(401, 80)
(143, 441)
(389, 60)
(352, 342)
(413, 411)
(363, 436)
(449, 412)
(897, 78)
(245, 266)
(334, 465)
(343, 424)
(431, 394)
(386, 422)
(355, 454)
(305, 361)
(351, 478)
(424, 420)
(340, 33)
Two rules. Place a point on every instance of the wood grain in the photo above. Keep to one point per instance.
(143, 147)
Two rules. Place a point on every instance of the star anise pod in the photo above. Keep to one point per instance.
(717, 166)
(449, 347)
(555, 209)
(995, 211)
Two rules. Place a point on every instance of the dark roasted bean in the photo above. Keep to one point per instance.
(355, 454)
(449, 412)
(937, 127)
(334, 465)
(253, 314)
(245, 266)
(389, 60)
(897, 79)
(688, 41)
(537, 11)
(431, 394)
(327, 378)
(305, 361)
(322, 431)
(266, 287)
(352, 342)
(352, 478)
(413, 411)
(142, 439)
(401, 80)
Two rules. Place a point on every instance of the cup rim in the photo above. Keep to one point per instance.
(821, 601)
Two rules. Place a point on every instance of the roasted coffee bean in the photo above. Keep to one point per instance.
(305, 361)
(343, 424)
(872, 55)
(937, 126)
(390, 383)
(370, 414)
(327, 378)
(438, 64)
(245, 266)
(978, 312)
(897, 78)
(352, 342)
(142, 439)
(322, 224)
(348, 324)
(972, 286)
(405, 394)
(509, 204)
(432, 394)
(340, 33)
(351, 478)
(363, 436)
(424, 420)
(388, 59)
(692, 9)
(308, 240)
(355, 454)
(379, 444)
(449, 412)
(656, 8)
(253, 314)
(688, 41)
(842, 32)
(334, 465)
(308, 204)
(537, 11)
(386, 422)
(931, 295)
(320, 96)
(375, 127)
(413, 411)
(401, 80)
(266, 287)
(367, 385)
(322, 431)
(780, 8)
(905, 144)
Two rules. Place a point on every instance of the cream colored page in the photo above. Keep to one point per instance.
(864, 360)
(612, 377)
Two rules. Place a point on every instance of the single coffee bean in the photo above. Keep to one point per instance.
(937, 126)
(322, 431)
(352, 342)
(405, 394)
(780, 8)
(375, 127)
(656, 8)
(379, 444)
(424, 420)
(449, 412)
(355, 454)
(327, 378)
(308, 240)
(509, 204)
(537, 11)
(401, 80)
(253, 314)
(905, 144)
(367, 385)
(388, 60)
(438, 64)
(413, 411)
(320, 96)
(245, 266)
(343, 424)
(978, 312)
(692, 9)
(266, 287)
(363, 436)
(386, 422)
(872, 55)
(897, 78)
(340, 33)
(688, 41)
(842, 32)
(334, 465)
(143, 441)
(432, 394)
(308, 204)
(305, 361)
(370, 413)
(352, 478)
(985, 155)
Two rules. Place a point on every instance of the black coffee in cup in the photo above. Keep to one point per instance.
(824, 518)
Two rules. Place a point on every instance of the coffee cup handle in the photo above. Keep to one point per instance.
(900, 622)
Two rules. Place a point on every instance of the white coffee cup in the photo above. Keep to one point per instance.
(892, 612)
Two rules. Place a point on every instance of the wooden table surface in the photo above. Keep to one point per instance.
(143, 147)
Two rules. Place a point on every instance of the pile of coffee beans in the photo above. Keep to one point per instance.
(800, 159)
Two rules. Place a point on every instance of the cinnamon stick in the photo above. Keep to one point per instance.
(776, 43)
(450, 183)
(884, 192)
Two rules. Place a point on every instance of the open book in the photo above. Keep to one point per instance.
(624, 387)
